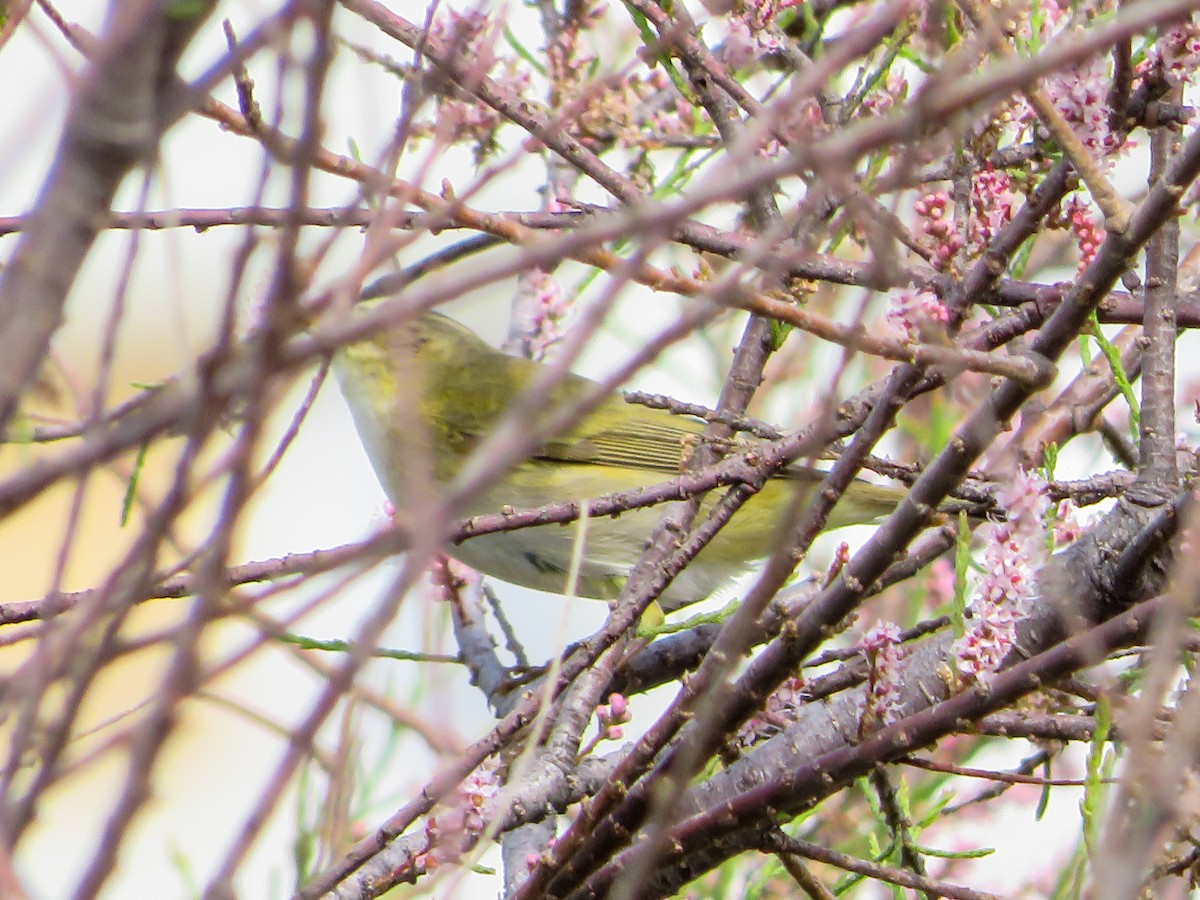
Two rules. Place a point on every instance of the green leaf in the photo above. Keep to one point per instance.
(651, 41)
(1050, 460)
(1044, 799)
(335, 646)
(1020, 260)
(131, 486)
(680, 173)
(977, 853)
(1100, 761)
(522, 51)
(962, 563)
(779, 333)
(1119, 376)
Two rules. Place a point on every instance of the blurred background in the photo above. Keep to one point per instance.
(323, 493)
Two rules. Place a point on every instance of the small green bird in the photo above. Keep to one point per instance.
(463, 386)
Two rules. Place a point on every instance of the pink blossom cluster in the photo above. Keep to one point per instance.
(612, 716)
(914, 315)
(1054, 16)
(841, 556)
(461, 116)
(1089, 234)
(667, 112)
(1066, 524)
(881, 647)
(548, 307)
(1024, 500)
(532, 859)
(751, 36)
(878, 102)
(636, 110)
(1081, 95)
(1013, 552)
(447, 577)
(1176, 54)
(619, 109)
(449, 830)
(937, 223)
(797, 118)
(777, 713)
(991, 622)
(564, 63)
(993, 202)
(469, 30)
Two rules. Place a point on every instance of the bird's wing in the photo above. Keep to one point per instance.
(649, 440)
(655, 442)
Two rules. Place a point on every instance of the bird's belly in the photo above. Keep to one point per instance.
(607, 547)
(539, 557)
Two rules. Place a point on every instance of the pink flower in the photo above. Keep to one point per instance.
(993, 203)
(449, 830)
(1067, 526)
(474, 37)
(1081, 95)
(878, 102)
(1024, 499)
(916, 315)
(881, 647)
(1089, 235)
(613, 715)
(448, 577)
(1013, 552)
(740, 49)
(751, 35)
(1176, 54)
(937, 223)
(777, 713)
(541, 294)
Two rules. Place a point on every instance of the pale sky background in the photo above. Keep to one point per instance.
(323, 495)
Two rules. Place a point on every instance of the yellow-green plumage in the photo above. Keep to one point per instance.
(460, 386)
